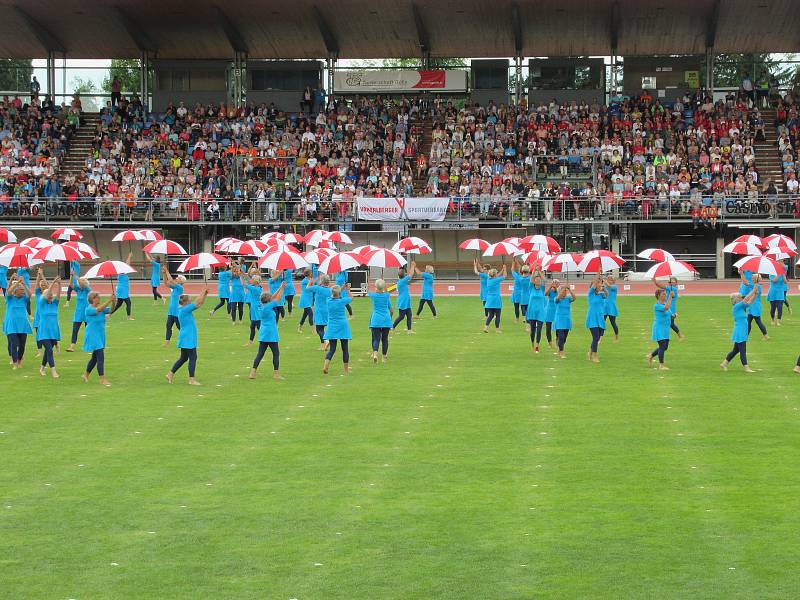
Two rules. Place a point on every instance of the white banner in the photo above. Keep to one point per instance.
(405, 80)
(402, 209)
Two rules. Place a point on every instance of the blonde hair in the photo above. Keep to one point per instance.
(492, 273)
(336, 291)
(380, 285)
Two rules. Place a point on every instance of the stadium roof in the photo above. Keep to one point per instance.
(203, 29)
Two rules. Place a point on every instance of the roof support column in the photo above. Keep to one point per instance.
(331, 66)
(239, 73)
(518, 79)
(144, 80)
(710, 71)
(51, 75)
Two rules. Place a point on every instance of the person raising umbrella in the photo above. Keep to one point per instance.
(338, 329)
(16, 325)
(268, 333)
(48, 332)
(739, 336)
(94, 340)
(563, 318)
(494, 301)
(380, 322)
(187, 336)
(661, 328)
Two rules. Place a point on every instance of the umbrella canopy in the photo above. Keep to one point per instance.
(412, 245)
(742, 248)
(224, 242)
(760, 264)
(66, 234)
(202, 260)
(15, 255)
(500, 249)
(326, 244)
(36, 243)
(85, 249)
(534, 257)
(474, 244)
(600, 261)
(513, 240)
(315, 236)
(339, 262)
(750, 239)
(561, 263)
(57, 253)
(150, 235)
(164, 247)
(778, 240)
(364, 250)
(279, 260)
(670, 268)
(109, 268)
(339, 237)
(292, 238)
(270, 235)
(543, 243)
(6, 236)
(780, 252)
(656, 254)
(383, 258)
(315, 257)
(247, 248)
(129, 235)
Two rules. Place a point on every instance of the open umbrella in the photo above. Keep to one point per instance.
(57, 253)
(474, 244)
(247, 248)
(542, 243)
(745, 248)
(291, 238)
(129, 235)
(670, 268)
(202, 261)
(6, 236)
(656, 254)
(66, 234)
(150, 235)
(315, 257)
(513, 240)
(36, 243)
(750, 239)
(778, 240)
(315, 236)
(222, 244)
(412, 245)
(15, 255)
(780, 252)
(500, 249)
(339, 237)
(85, 249)
(383, 258)
(342, 261)
(164, 247)
(109, 268)
(279, 260)
(561, 263)
(760, 264)
(272, 235)
(600, 261)
(366, 249)
(533, 257)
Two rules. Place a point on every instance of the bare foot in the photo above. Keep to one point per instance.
(105, 382)
(41, 371)
(193, 381)
(723, 366)
(650, 359)
(663, 368)
(85, 377)
(54, 374)
(252, 374)
(277, 376)
(747, 369)
(170, 376)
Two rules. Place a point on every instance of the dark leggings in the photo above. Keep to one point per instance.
(663, 346)
(561, 338)
(187, 354)
(262, 350)
(254, 327)
(422, 304)
(280, 312)
(485, 310)
(156, 293)
(597, 333)
(613, 321)
(38, 341)
(289, 303)
(126, 302)
(516, 310)
(307, 314)
(222, 302)
(786, 299)
(776, 306)
(403, 313)
(536, 332)
(380, 337)
(17, 343)
(98, 359)
(759, 322)
(672, 324)
(349, 309)
(172, 320)
(47, 357)
(548, 331)
(493, 313)
(798, 361)
(321, 333)
(69, 292)
(234, 307)
(28, 305)
(345, 350)
(739, 348)
(76, 327)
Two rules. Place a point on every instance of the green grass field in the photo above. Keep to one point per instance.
(467, 467)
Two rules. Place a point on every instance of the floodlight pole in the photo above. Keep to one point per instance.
(51, 74)
(518, 82)
(144, 84)
(710, 70)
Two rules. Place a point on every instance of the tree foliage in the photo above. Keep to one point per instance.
(127, 71)
(729, 68)
(86, 86)
(15, 74)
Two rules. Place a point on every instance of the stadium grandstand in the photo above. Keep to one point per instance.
(600, 123)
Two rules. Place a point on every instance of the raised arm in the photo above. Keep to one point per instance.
(475, 266)
(148, 257)
(130, 255)
(111, 300)
(668, 303)
(55, 288)
(752, 295)
(658, 284)
(743, 278)
(276, 297)
(201, 298)
(571, 293)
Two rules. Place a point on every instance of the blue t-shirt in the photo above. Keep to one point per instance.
(16, 319)
(484, 278)
(550, 306)
(269, 323)
(661, 319)
(123, 287)
(563, 317)
(338, 327)
(155, 275)
(48, 328)
(321, 296)
(187, 338)
(595, 314)
(381, 310)
(224, 284)
(535, 310)
(237, 289)
(306, 295)
(403, 296)
(95, 336)
(288, 277)
(673, 308)
(274, 286)
(610, 307)
(739, 322)
(341, 279)
(254, 301)
(3, 277)
(493, 299)
(427, 286)
(174, 300)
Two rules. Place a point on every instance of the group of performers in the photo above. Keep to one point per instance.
(544, 305)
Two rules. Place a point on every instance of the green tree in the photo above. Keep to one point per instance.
(729, 68)
(127, 71)
(15, 74)
(416, 63)
(86, 87)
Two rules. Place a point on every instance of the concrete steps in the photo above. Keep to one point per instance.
(80, 146)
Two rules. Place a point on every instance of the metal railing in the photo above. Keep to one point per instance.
(479, 209)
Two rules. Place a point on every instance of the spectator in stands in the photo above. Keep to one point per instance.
(116, 91)
(35, 88)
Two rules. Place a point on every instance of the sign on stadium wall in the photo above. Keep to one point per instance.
(402, 209)
(406, 80)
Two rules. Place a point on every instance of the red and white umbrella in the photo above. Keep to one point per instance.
(342, 261)
(327, 245)
(474, 244)
(383, 258)
(760, 264)
(164, 247)
(292, 238)
(129, 235)
(364, 250)
(339, 237)
(500, 249)
(109, 268)
(85, 249)
(780, 253)
(202, 260)
(534, 257)
(246, 248)
(745, 248)
(778, 240)
(57, 253)
(6, 236)
(670, 268)
(15, 255)
(150, 235)
(272, 235)
(36, 243)
(66, 234)
(222, 244)
(543, 243)
(750, 239)
(315, 236)
(315, 257)
(513, 240)
(600, 261)
(656, 254)
(412, 245)
(561, 263)
(279, 260)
